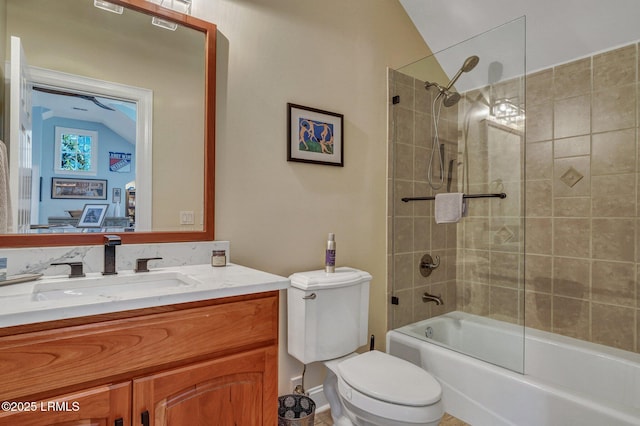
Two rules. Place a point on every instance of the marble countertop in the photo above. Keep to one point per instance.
(59, 297)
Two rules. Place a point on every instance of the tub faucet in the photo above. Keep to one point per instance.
(110, 243)
(431, 298)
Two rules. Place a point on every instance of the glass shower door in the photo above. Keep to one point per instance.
(457, 126)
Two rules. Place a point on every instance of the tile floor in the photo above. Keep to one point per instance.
(324, 419)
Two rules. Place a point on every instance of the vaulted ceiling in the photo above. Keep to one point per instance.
(557, 31)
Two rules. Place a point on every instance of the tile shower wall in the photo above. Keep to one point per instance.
(582, 192)
(412, 231)
(582, 210)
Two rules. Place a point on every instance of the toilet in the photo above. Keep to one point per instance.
(327, 321)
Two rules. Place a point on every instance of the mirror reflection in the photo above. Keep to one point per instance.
(113, 117)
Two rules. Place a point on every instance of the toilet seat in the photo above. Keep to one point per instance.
(390, 379)
(390, 387)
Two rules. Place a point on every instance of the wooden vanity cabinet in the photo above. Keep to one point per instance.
(204, 363)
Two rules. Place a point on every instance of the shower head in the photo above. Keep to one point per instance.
(469, 64)
(450, 98)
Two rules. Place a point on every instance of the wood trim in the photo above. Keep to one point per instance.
(207, 234)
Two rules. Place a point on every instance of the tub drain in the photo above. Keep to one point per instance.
(428, 332)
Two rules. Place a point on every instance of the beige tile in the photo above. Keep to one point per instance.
(539, 88)
(609, 326)
(403, 271)
(572, 147)
(476, 233)
(571, 237)
(403, 188)
(614, 195)
(403, 234)
(572, 79)
(402, 78)
(504, 304)
(422, 97)
(403, 312)
(614, 152)
(506, 234)
(421, 164)
(476, 299)
(613, 283)
(538, 310)
(572, 207)
(572, 177)
(540, 122)
(422, 208)
(614, 108)
(571, 317)
(422, 234)
(614, 239)
(571, 277)
(539, 160)
(538, 232)
(572, 117)
(615, 67)
(538, 198)
(505, 269)
(403, 125)
(423, 130)
(538, 273)
(403, 157)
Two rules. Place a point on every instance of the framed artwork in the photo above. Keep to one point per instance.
(116, 196)
(83, 189)
(314, 136)
(92, 216)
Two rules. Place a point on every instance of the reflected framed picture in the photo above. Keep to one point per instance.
(83, 189)
(116, 196)
(92, 216)
(314, 136)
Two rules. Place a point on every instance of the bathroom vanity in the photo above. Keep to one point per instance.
(203, 355)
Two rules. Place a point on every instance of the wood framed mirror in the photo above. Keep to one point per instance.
(206, 116)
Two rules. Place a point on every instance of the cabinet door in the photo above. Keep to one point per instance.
(235, 390)
(101, 406)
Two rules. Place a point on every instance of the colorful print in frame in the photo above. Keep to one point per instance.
(314, 136)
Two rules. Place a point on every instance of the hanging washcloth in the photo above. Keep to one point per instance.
(449, 207)
(5, 201)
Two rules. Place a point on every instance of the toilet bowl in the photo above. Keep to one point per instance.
(378, 389)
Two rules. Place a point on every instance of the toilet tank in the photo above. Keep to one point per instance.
(328, 313)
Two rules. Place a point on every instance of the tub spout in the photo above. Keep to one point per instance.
(431, 298)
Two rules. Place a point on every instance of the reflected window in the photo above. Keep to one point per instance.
(76, 151)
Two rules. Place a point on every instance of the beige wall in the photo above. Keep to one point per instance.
(331, 55)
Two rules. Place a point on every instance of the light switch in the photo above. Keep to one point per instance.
(186, 218)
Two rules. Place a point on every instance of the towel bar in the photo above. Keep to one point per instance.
(499, 195)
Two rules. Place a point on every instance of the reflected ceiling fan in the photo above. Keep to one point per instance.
(75, 95)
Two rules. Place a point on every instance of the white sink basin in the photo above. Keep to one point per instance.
(114, 287)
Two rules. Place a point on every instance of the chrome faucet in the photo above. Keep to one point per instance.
(431, 298)
(110, 243)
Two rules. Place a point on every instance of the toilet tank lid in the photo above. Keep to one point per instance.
(317, 280)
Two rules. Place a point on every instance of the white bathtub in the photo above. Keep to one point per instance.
(566, 382)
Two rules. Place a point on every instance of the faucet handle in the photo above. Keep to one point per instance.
(76, 268)
(141, 264)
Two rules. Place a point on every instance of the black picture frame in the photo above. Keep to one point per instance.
(315, 136)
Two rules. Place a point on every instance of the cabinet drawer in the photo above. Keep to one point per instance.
(39, 362)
